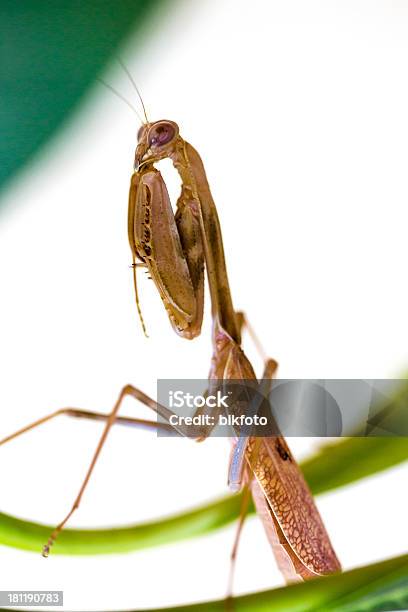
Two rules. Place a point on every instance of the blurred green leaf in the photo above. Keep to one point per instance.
(339, 464)
(382, 586)
(333, 466)
(50, 53)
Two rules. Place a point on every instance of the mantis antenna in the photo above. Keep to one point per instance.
(119, 95)
(135, 86)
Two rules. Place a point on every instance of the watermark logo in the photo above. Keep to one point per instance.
(181, 399)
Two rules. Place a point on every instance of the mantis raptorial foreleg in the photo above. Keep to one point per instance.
(177, 265)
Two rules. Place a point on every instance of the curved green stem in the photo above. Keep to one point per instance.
(335, 465)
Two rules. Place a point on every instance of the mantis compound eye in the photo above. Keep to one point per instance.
(161, 133)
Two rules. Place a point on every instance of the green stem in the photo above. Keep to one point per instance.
(333, 466)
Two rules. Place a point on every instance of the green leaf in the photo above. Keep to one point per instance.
(382, 586)
(52, 52)
(334, 466)
(339, 464)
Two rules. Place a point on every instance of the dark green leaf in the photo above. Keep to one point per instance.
(374, 588)
(50, 53)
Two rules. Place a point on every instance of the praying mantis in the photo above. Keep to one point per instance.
(178, 250)
(193, 237)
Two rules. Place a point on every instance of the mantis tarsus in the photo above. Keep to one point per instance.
(177, 249)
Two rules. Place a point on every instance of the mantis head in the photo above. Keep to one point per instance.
(155, 141)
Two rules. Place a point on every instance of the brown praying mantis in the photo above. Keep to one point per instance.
(177, 249)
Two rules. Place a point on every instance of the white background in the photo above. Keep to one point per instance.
(299, 110)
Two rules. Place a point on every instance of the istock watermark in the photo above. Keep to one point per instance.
(180, 399)
(295, 407)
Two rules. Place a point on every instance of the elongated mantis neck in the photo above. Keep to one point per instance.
(191, 169)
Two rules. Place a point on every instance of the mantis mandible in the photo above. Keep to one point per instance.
(176, 249)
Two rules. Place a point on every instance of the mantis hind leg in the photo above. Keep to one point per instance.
(243, 323)
(79, 413)
(110, 419)
(246, 497)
